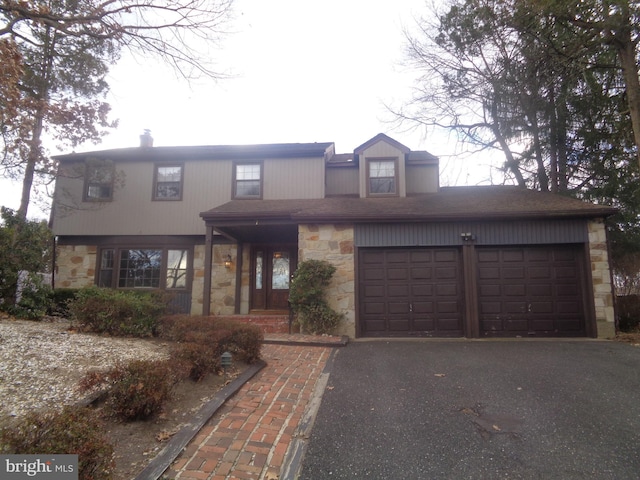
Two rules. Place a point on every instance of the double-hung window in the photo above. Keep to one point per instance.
(98, 181)
(167, 182)
(382, 177)
(247, 180)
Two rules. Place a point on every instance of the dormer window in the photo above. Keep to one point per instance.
(382, 176)
(247, 180)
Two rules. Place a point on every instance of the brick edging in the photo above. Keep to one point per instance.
(179, 441)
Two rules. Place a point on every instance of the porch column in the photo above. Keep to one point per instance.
(206, 294)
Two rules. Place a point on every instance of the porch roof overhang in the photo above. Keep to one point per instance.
(249, 218)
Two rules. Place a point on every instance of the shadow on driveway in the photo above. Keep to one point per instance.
(479, 410)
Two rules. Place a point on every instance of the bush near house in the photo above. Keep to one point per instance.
(307, 297)
(242, 340)
(74, 431)
(117, 312)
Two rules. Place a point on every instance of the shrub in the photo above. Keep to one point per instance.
(137, 390)
(35, 298)
(306, 296)
(628, 308)
(244, 341)
(117, 312)
(74, 431)
(199, 359)
(60, 299)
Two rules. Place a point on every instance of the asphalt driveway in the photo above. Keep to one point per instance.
(479, 410)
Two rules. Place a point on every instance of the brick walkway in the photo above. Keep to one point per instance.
(249, 437)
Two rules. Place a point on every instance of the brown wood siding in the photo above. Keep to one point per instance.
(342, 181)
(528, 232)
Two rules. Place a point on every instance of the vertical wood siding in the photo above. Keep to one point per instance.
(525, 232)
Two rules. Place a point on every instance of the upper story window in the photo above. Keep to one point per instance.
(98, 181)
(247, 180)
(167, 182)
(382, 176)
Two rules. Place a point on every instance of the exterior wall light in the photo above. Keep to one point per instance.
(228, 262)
(467, 236)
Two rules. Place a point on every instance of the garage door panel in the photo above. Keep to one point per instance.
(374, 291)
(537, 273)
(421, 273)
(517, 290)
(375, 308)
(396, 274)
(549, 300)
(398, 291)
(489, 273)
(533, 291)
(372, 274)
(398, 307)
(490, 308)
(423, 307)
(422, 292)
(513, 273)
(447, 290)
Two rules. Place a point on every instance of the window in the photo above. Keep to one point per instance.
(105, 275)
(177, 269)
(248, 180)
(98, 182)
(382, 177)
(139, 268)
(144, 268)
(167, 182)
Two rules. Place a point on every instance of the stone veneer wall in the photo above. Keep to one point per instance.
(601, 277)
(75, 266)
(223, 281)
(333, 243)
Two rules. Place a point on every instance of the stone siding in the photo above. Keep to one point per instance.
(75, 266)
(223, 281)
(601, 277)
(333, 243)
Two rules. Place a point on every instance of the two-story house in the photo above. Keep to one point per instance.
(222, 228)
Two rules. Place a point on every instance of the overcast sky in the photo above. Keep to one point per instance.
(302, 71)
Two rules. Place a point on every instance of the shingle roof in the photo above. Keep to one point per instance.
(450, 203)
(271, 150)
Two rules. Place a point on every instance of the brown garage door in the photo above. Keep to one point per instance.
(531, 291)
(410, 292)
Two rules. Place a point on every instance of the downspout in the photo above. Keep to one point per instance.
(206, 294)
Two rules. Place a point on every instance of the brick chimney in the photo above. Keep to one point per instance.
(146, 140)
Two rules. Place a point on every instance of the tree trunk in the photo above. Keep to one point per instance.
(627, 54)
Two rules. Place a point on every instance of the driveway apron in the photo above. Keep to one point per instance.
(513, 409)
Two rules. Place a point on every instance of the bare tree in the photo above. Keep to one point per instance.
(55, 55)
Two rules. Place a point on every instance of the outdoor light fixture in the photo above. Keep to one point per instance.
(228, 262)
(225, 362)
(467, 236)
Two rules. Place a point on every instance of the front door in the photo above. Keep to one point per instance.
(271, 267)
